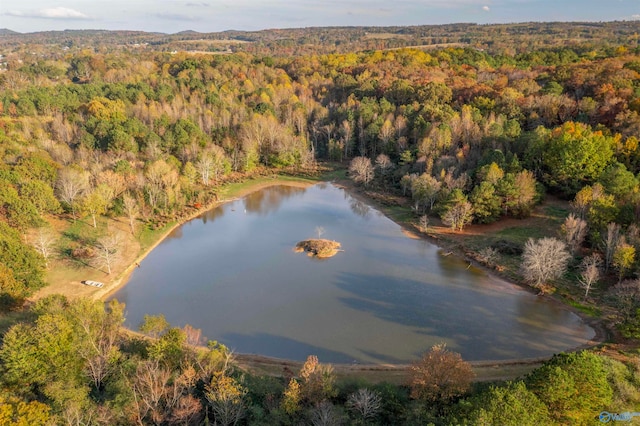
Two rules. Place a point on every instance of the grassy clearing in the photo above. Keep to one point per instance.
(148, 237)
(400, 214)
(521, 234)
(238, 189)
(585, 309)
(67, 271)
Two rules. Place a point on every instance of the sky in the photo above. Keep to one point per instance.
(171, 16)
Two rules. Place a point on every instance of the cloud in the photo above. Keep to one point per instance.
(486, 8)
(635, 17)
(50, 13)
(198, 4)
(177, 17)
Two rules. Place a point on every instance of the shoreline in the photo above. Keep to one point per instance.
(260, 362)
(123, 277)
(601, 331)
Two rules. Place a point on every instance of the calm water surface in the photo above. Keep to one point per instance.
(387, 298)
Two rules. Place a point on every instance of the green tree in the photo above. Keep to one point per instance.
(618, 181)
(16, 412)
(25, 264)
(424, 191)
(624, 258)
(37, 166)
(169, 349)
(41, 195)
(574, 155)
(573, 386)
(94, 204)
(509, 405)
(18, 211)
(602, 211)
(485, 202)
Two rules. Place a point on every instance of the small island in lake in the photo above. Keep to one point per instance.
(318, 248)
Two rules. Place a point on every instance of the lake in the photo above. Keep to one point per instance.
(386, 298)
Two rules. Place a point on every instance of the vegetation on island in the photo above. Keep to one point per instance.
(319, 248)
(526, 134)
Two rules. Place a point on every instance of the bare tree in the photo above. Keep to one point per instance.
(574, 230)
(625, 296)
(488, 256)
(71, 184)
(439, 375)
(161, 398)
(319, 231)
(611, 242)
(101, 331)
(458, 215)
(149, 391)
(423, 223)
(162, 179)
(361, 170)
(384, 164)
(131, 209)
(324, 414)
(43, 243)
(107, 249)
(365, 402)
(590, 272)
(204, 166)
(543, 260)
(346, 129)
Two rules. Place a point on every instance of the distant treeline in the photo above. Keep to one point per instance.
(507, 39)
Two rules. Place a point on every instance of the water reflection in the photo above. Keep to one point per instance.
(268, 200)
(357, 206)
(386, 298)
(213, 214)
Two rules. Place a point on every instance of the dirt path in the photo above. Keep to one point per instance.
(486, 371)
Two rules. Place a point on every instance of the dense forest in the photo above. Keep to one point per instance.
(477, 124)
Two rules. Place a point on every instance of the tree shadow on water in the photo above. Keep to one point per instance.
(400, 300)
(480, 327)
(281, 347)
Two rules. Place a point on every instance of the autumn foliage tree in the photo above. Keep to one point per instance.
(439, 376)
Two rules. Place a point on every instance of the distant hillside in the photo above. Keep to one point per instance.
(495, 38)
(6, 31)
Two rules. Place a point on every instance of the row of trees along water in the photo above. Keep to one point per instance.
(467, 135)
(70, 363)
